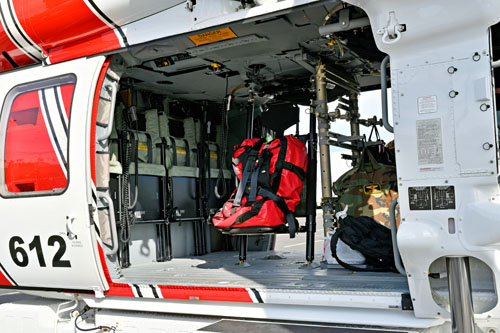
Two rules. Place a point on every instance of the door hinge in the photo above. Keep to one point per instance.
(406, 302)
(392, 32)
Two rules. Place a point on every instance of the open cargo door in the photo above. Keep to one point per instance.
(48, 239)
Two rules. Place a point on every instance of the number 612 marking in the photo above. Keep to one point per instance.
(20, 256)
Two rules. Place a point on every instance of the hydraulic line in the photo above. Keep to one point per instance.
(334, 11)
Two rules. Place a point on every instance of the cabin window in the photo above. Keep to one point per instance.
(35, 126)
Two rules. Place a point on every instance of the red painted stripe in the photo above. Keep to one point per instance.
(93, 123)
(206, 293)
(53, 23)
(103, 42)
(50, 23)
(4, 281)
(67, 97)
(13, 51)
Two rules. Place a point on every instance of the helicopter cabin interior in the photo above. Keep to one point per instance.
(166, 159)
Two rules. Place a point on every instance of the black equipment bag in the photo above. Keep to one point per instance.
(370, 238)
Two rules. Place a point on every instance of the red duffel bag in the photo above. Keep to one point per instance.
(271, 176)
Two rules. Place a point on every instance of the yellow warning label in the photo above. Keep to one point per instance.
(372, 189)
(142, 146)
(212, 36)
(180, 150)
(213, 155)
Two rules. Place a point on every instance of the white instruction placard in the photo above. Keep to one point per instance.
(427, 104)
(429, 141)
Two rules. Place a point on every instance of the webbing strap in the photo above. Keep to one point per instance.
(290, 219)
(253, 185)
(295, 169)
(249, 167)
(188, 152)
(217, 150)
(174, 148)
(150, 148)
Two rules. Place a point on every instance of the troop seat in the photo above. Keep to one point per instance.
(144, 176)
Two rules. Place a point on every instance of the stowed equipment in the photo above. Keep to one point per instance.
(271, 176)
(365, 194)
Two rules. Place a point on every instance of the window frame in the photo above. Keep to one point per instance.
(69, 78)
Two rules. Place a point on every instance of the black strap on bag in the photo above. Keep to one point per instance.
(371, 239)
(248, 160)
(290, 219)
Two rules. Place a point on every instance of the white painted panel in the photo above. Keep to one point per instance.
(48, 215)
(126, 11)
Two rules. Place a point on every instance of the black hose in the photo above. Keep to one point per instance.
(104, 328)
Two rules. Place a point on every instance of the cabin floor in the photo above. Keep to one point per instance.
(284, 268)
(264, 270)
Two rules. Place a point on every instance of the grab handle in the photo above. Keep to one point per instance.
(114, 232)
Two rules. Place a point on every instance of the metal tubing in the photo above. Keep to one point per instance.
(323, 126)
(244, 238)
(168, 236)
(383, 89)
(311, 187)
(495, 64)
(354, 112)
(394, 230)
(459, 284)
(243, 248)
(337, 27)
(250, 115)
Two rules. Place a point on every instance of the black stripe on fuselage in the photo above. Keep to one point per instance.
(8, 275)
(257, 295)
(154, 291)
(61, 112)
(10, 60)
(110, 21)
(61, 290)
(52, 129)
(12, 38)
(12, 14)
(138, 290)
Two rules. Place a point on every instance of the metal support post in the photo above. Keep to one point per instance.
(324, 147)
(312, 153)
(459, 284)
(250, 114)
(354, 115)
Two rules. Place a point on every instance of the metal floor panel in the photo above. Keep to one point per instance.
(266, 270)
